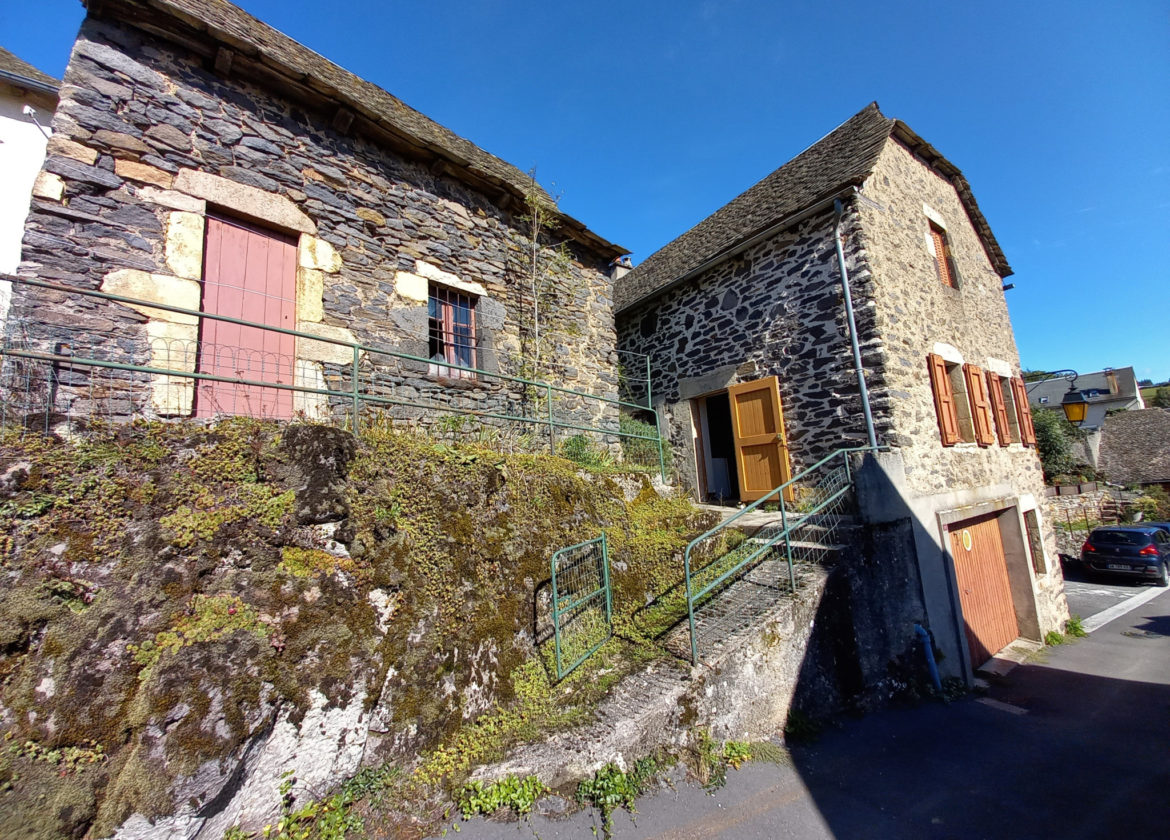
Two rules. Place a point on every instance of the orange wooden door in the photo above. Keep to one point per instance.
(761, 450)
(248, 273)
(989, 615)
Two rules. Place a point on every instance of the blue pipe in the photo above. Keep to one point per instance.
(928, 649)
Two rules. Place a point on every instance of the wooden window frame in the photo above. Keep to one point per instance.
(944, 263)
(451, 342)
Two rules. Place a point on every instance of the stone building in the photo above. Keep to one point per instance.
(753, 373)
(203, 160)
(27, 97)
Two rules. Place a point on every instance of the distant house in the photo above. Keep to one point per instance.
(754, 376)
(1109, 390)
(201, 159)
(22, 150)
(1135, 448)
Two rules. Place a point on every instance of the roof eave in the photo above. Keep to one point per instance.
(764, 232)
(933, 158)
(31, 84)
(266, 63)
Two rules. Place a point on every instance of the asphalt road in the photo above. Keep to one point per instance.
(1071, 746)
(1088, 596)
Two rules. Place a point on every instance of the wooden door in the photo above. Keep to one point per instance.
(761, 450)
(248, 273)
(989, 614)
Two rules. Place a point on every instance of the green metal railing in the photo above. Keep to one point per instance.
(582, 603)
(360, 392)
(806, 528)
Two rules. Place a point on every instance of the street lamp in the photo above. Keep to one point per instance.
(1074, 403)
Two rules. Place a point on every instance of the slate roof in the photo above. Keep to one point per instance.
(20, 72)
(1135, 447)
(255, 40)
(842, 159)
(1055, 389)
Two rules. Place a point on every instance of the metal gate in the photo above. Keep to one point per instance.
(989, 614)
(582, 603)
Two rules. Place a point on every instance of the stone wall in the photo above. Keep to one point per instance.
(917, 315)
(775, 309)
(148, 141)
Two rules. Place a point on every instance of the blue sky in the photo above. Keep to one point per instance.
(648, 116)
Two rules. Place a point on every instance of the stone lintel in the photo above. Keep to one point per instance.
(248, 201)
(446, 278)
(173, 200)
(716, 380)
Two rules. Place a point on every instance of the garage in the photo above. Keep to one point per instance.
(989, 614)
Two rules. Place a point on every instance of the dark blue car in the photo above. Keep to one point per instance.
(1136, 551)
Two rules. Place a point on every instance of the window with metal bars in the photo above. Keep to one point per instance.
(452, 332)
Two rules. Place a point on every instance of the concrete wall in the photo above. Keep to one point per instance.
(149, 141)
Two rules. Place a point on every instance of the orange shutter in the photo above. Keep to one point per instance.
(944, 400)
(942, 257)
(980, 405)
(1023, 412)
(995, 391)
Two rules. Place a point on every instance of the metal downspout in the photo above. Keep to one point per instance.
(861, 387)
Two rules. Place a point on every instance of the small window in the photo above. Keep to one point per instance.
(1035, 544)
(452, 333)
(962, 402)
(1043, 400)
(944, 265)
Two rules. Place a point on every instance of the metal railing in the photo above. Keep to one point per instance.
(186, 377)
(582, 603)
(806, 530)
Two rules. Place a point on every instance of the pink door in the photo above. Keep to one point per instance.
(248, 273)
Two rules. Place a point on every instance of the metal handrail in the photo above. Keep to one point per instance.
(786, 529)
(358, 349)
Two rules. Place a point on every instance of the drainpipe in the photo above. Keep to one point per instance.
(864, 391)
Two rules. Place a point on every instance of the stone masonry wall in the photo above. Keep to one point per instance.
(147, 141)
(777, 309)
(915, 314)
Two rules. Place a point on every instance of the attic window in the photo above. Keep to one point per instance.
(944, 265)
(451, 317)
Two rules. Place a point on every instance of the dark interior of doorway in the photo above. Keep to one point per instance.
(722, 477)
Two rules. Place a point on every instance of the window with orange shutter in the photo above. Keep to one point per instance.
(943, 264)
(1023, 412)
(944, 400)
(981, 421)
(1000, 400)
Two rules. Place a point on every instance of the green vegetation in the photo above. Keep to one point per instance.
(1153, 504)
(799, 727)
(517, 795)
(1075, 627)
(1053, 638)
(711, 759)
(1055, 437)
(169, 574)
(611, 788)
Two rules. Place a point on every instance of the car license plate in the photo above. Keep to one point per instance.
(1119, 566)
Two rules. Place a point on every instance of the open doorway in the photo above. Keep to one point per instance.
(741, 452)
(715, 455)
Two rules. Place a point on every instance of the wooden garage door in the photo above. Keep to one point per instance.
(989, 614)
(248, 273)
